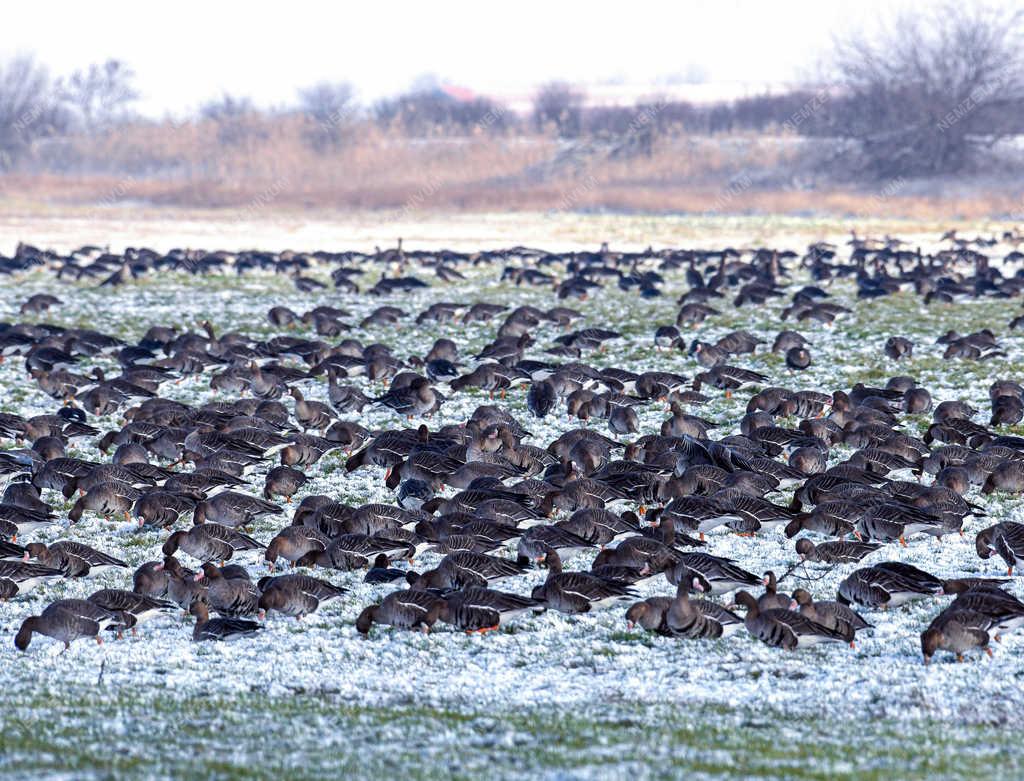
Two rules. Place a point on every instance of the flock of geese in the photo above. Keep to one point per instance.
(835, 470)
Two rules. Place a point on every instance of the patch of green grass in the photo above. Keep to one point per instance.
(307, 735)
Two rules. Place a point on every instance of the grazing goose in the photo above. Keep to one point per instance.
(577, 592)
(699, 619)
(293, 543)
(1005, 539)
(957, 631)
(1005, 610)
(408, 609)
(183, 588)
(207, 628)
(210, 542)
(162, 508)
(283, 481)
(716, 575)
(890, 522)
(835, 552)
(478, 609)
(649, 614)
(106, 499)
(465, 568)
(785, 628)
(74, 559)
(886, 585)
(151, 579)
(834, 615)
(140, 606)
(19, 577)
(67, 620)
(233, 509)
(234, 597)
(295, 595)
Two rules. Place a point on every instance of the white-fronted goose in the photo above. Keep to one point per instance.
(295, 595)
(407, 609)
(219, 629)
(20, 577)
(834, 615)
(74, 559)
(210, 542)
(577, 592)
(784, 628)
(478, 609)
(957, 631)
(67, 620)
(889, 584)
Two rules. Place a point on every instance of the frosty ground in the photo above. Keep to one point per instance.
(549, 695)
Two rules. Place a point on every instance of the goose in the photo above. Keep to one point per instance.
(234, 597)
(218, 629)
(771, 598)
(406, 609)
(479, 609)
(1005, 610)
(716, 575)
(150, 579)
(293, 543)
(161, 508)
(210, 542)
(1005, 539)
(140, 606)
(233, 509)
(74, 559)
(785, 628)
(577, 592)
(67, 620)
(106, 499)
(467, 568)
(295, 595)
(19, 577)
(890, 522)
(834, 615)
(699, 619)
(380, 572)
(283, 481)
(889, 584)
(835, 552)
(182, 587)
(957, 631)
(311, 414)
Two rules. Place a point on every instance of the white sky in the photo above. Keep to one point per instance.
(186, 51)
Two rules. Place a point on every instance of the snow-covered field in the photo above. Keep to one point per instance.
(549, 695)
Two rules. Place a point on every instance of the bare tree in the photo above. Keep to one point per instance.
(235, 117)
(28, 108)
(101, 93)
(561, 105)
(930, 93)
(330, 108)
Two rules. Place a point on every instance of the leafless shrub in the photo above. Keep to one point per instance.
(559, 105)
(330, 108)
(29, 110)
(931, 93)
(99, 94)
(433, 111)
(236, 118)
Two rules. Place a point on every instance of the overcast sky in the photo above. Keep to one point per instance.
(186, 52)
